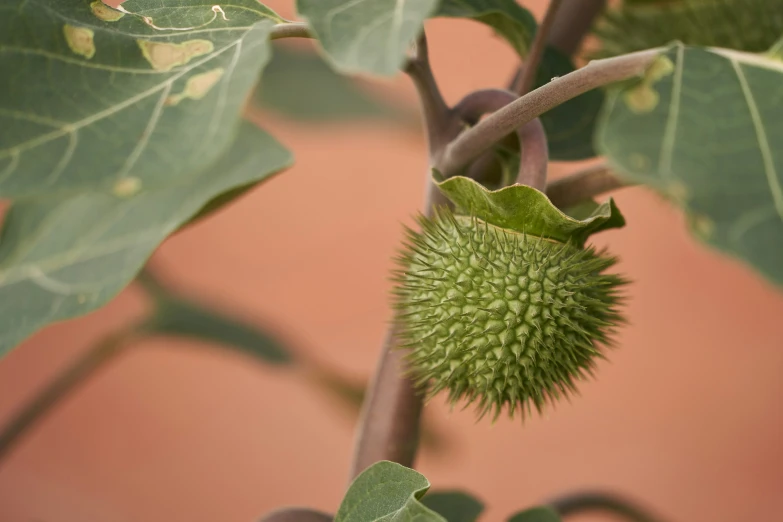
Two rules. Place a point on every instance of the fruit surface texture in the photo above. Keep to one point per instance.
(501, 318)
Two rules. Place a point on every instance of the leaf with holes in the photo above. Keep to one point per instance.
(64, 256)
(95, 98)
(366, 36)
(705, 128)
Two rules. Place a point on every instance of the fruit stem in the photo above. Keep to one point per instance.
(532, 138)
(474, 141)
(527, 75)
(579, 503)
(583, 185)
(389, 422)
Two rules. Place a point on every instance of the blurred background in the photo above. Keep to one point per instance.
(686, 415)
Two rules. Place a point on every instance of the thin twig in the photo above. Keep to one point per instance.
(527, 77)
(534, 152)
(579, 503)
(291, 30)
(573, 22)
(61, 387)
(471, 143)
(583, 185)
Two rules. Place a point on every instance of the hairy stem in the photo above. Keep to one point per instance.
(474, 141)
(388, 427)
(580, 503)
(583, 185)
(291, 30)
(527, 74)
(572, 23)
(61, 387)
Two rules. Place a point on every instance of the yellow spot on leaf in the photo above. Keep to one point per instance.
(104, 12)
(164, 56)
(197, 86)
(80, 40)
(127, 187)
(703, 226)
(641, 99)
(659, 69)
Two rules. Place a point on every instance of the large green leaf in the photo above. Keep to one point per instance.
(454, 506)
(300, 85)
(181, 317)
(387, 492)
(537, 514)
(509, 20)
(97, 99)
(64, 256)
(705, 128)
(525, 209)
(366, 36)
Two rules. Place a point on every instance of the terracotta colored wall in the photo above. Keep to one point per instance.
(687, 414)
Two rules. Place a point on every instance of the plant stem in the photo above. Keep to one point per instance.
(583, 185)
(291, 30)
(61, 387)
(574, 20)
(579, 503)
(471, 143)
(388, 427)
(527, 74)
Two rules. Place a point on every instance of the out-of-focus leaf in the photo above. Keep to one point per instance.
(744, 25)
(537, 514)
(454, 506)
(181, 317)
(300, 85)
(507, 18)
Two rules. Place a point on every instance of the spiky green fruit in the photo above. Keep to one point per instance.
(501, 318)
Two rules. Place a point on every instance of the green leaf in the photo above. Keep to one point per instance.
(182, 317)
(299, 85)
(705, 128)
(537, 514)
(745, 25)
(62, 257)
(511, 21)
(454, 506)
(388, 492)
(366, 36)
(100, 99)
(525, 209)
(570, 127)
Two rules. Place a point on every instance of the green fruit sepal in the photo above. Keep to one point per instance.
(500, 303)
